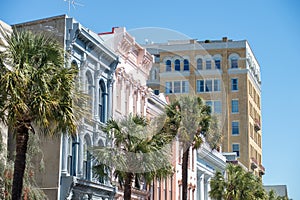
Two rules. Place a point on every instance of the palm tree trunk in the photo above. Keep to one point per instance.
(20, 161)
(128, 186)
(184, 168)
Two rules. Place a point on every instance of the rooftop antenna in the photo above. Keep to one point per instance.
(74, 3)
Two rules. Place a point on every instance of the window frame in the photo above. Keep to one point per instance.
(234, 111)
(235, 126)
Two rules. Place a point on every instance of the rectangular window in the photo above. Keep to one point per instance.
(217, 107)
(176, 86)
(208, 85)
(208, 64)
(185, 87)
(210, 104)
(234, 63)
(235, 129)
(168, 87)
(218, 64)
(236, 148)
(235, 106)
(234, 84)
(217, 85)
(200, 85)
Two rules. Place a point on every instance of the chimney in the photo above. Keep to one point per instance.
(224, 39)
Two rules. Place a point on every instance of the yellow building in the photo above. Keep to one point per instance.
(226, 75)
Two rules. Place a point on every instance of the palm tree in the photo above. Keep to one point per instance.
(193, 119)
(238, 184)
(139, 151)
(36, 90)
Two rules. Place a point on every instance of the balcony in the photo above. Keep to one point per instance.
(261, 170)
(254, 163)
(257, 126)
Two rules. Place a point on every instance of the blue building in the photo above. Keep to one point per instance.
(68, 165)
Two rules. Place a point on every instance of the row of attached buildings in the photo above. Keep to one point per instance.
(123, 77)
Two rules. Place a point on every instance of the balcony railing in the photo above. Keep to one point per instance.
(257, 126)
(254, 163)
(261, 169)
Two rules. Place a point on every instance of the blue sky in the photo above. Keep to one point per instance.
(272, 28)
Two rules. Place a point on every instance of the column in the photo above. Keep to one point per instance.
(208, 187)
(64, 152)
(200, 186)
(109, 98)
(80, 154)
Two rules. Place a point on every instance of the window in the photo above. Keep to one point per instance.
(199, 64)
(186, 65)
(177, 65)
(217, 85)
(71, 162)
(200, 85)
(176, 86)
(185, 87)
(168, 87)
(208, 85)
(217, 107)
(156, 92)
(102, 102)
(217, 64)
(235, 130)
(235, 106)
(234, 84)
(168, 66)
(209, 103)
(208, 64)
(86, 161)
(236, 148)
(234, 63)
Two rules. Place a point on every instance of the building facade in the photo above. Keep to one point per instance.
(68, 170)
(130, 93)
(226, 75)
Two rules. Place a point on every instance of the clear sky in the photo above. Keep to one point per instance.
(272, 28)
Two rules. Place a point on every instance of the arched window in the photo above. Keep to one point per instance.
(86, 159)
(234, 63)
(186, 65)
(168, 66)
(102, 179)
(177, 65)
(102, 101)
(199, 64)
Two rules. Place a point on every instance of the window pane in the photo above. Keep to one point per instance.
(234, 63)
(235, 106)
(200, 85)
(234, 84)
(177, 65)
(176, 86)
(186, 64)
(168, 87)
(208, 85)
(199, 64)
(218, 64)
(235, 128)
(217, 107)
(217, 85)
(185, 87)
(208, 64)
(236, 148)
(168, 65)
(156, 92)
(209, 103)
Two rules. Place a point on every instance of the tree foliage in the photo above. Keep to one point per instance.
(238, 184)
(139, 151)
(36, 90)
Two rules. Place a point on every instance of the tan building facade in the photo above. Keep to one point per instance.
(226, 75)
